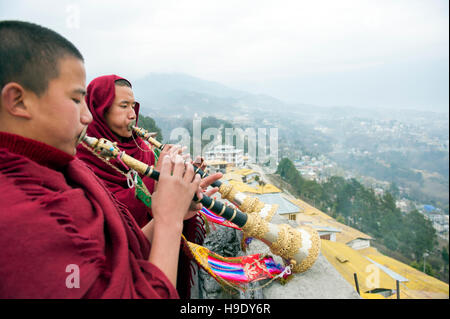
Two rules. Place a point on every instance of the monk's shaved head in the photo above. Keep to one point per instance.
(29, 54)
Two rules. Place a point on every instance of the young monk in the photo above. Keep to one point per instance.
(111, 101)
(63, 234)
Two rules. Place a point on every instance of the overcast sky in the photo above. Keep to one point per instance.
(365, 53)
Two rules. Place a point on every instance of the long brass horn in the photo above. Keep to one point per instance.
(297, 246)
(246, 203)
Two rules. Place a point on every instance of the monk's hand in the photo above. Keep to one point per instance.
(173, 195)
(204, 184)
(172, 151)
(200, 163)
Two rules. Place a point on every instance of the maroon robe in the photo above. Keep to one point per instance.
(99, 98)
(55, 214)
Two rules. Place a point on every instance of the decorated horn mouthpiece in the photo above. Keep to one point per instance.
(131, 124)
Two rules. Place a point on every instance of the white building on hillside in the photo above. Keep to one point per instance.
(226, 153)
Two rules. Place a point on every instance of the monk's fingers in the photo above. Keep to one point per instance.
(174, 152)
(166, 166)
(179, 166)
(196, 185)
(211, 191)
(198, 161)
(199, 193)
(189, 172)
(186, 158)
(210, 179)
(167, 148)
(203, 163)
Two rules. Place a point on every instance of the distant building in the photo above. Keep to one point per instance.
(248, 175)
(331, 228)
(429, 208)
(308, 173)
(378, 191)
(440, 223)
(226, 153)
(215, 166)
(402, 205)
(325, 232)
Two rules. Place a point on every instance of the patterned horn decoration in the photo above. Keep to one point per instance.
(297, 246)
(247, 204)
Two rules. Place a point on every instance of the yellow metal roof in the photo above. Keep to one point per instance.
(372, 296)
(369, 251)
(316, 217)
(244, 171)
(268, 188)
(232, 176)
(242, 187)
(420, 285)
(216, 162)
(245, 188)
(348, 261)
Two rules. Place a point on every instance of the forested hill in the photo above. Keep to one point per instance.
(349, 202)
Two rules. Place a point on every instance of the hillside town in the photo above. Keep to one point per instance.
(372, 274)
(320, 168)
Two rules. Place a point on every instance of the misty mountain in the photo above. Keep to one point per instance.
(184, 95)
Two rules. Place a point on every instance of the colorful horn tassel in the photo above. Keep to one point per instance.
(210, 216)
(234, 272)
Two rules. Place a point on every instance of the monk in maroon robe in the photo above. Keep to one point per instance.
(111, 101)
(63, 233)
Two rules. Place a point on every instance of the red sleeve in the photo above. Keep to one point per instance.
(157, 282)
(37, 253)
(58, 242)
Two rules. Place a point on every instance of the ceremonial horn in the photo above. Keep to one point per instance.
(297, 246)
(143, 133)
(246, 203)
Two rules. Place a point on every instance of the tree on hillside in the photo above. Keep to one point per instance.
(418, 235)
(149, 124)
(352, 204)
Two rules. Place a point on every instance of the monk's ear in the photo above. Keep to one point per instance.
(13, 100)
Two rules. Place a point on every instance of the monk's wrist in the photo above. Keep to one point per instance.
(166, 225)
